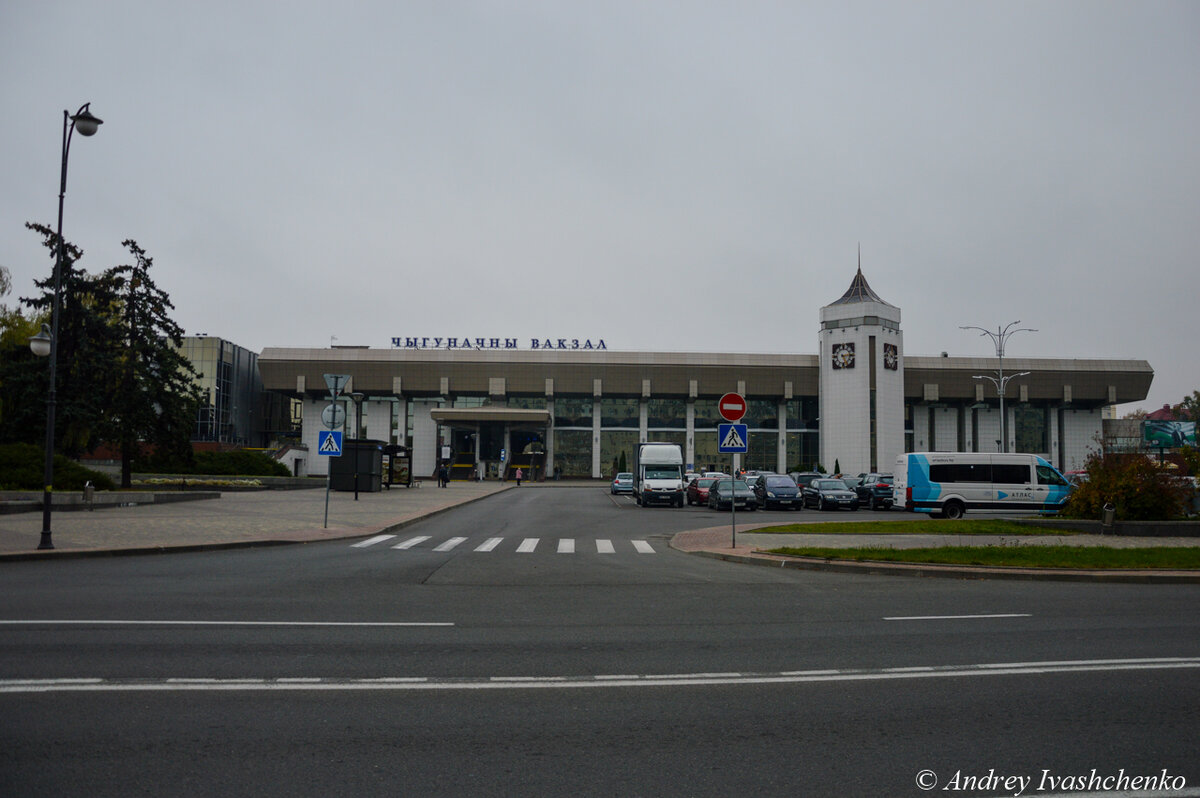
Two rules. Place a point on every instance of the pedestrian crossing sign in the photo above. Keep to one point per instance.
(329, 442)
(731, 438)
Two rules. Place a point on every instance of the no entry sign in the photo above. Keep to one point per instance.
(732, 407)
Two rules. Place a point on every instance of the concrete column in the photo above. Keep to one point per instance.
(595, 439)
(781, 459)
(691, 433)
(550, 440)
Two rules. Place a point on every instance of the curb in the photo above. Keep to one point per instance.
(878, 568)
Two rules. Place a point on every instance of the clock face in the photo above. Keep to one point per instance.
(891, 357)
(843, 356)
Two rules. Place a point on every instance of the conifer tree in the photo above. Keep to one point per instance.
(154, 398)
(87, 349)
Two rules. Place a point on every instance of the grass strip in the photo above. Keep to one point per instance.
(923, 526)
(1035, 556)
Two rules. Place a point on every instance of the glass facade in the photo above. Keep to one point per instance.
(573, 452)
(231, 409)
(613, 444)
(573, 411)
(666, 414)
(1031, 428)
(618, 413)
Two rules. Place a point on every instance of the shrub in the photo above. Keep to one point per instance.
(241, 463)
(22, 467)
(1135, 485)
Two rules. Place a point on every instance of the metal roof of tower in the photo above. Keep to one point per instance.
(859, 291)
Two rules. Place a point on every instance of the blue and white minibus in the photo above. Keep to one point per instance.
(948, 484)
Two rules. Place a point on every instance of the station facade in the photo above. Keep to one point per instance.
(572, 408)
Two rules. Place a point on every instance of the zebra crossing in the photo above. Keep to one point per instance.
(495, 544)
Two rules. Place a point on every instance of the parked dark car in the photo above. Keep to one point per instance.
(724, 493)
(697, 490)
(776, 490)
(825, 494)
(803, 478)
(875, 491)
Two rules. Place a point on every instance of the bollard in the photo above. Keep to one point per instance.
(89, 495)
(1108, 514)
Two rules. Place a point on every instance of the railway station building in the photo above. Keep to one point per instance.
(570, 408)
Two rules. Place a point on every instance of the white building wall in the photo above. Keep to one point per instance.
(1081, 430)
(945, 429)
(425, 441)
(377, 421)
(889, 402)
(845, 393)
(989, 430)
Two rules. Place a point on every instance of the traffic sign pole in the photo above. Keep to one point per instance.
(732, 407)
(335, 383)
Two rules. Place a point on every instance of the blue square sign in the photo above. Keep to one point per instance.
(731, 438)
(329, 442)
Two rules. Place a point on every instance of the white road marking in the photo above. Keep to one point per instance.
(643, 547)
(94, 684)
(489, 544)
(408, 544)
(127, 622)
(449, 544)
(566, 545)
(372, 541)
(605, 547)
(957, 617)
(527, 545)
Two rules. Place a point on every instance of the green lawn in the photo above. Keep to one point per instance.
(1086, 557)
(925, 526)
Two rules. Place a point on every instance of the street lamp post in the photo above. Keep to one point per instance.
(999, 338)
(87, 125)
(358, 397)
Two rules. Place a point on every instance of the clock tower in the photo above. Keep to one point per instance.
(862, 381)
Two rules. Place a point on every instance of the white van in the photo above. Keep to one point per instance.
(948, 484)
(658, 474)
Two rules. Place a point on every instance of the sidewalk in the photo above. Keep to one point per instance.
(234, 519)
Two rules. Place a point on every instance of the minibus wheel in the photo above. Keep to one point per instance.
(953, 510)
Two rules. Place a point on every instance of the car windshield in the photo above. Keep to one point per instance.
(724, 485)
(831, 484)
(781, 482)
(705, 483)
(624, 476)
(662, 472)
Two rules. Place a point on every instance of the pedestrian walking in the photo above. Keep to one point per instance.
(519, 475)
(443, 477)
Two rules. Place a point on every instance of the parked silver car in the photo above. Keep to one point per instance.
(622, 483)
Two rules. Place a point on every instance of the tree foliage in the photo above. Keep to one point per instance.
(154, 397)
(121, 377)
(1189, 408)
(1134, 484)
(87, 350)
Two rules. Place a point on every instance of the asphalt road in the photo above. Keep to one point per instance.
(511, 668)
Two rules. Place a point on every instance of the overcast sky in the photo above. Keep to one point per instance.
(663, 176)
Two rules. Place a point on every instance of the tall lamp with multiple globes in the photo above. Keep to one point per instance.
(45, 343)
(1000, 381)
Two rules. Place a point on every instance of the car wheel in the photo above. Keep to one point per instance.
(953, 510)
